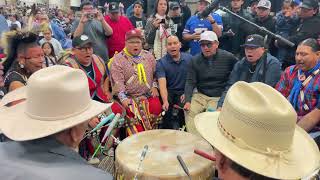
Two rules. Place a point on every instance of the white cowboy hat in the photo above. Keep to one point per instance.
(56, 98)
(257, 129)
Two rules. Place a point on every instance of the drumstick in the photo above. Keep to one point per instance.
(111, 126)
(100, 125)
(142, 156)
(116, 140)
(204, 155)
(107, 133)
(184, 166)
(177, 107)
(103, 122)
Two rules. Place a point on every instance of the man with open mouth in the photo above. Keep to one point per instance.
(134, 86)
(257, 66)
(171, 73)
(300, 83)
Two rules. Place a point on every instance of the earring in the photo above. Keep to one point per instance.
(21, 66)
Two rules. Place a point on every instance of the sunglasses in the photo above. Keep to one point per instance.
(203, 45)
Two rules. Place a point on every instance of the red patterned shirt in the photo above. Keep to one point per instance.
(311, 91)
(124, 73)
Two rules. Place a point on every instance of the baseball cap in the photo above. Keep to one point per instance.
(208, 1)
(253, 1)
(254, 41)
(208, 36)
(81, 41)
(138, 2)
(309, 4)
(296, 2)
(114, 7)
(174, 5)
(264, 4)
(134, 33)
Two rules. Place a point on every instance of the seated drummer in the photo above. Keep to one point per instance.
(47, 127)
(208, 72)
(300, 83)
(82, 57)
(256, 137)
(172, 73)
(134, 84)
(257, 66)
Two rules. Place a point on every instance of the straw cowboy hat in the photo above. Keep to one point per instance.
(257, 129)
(56, 98)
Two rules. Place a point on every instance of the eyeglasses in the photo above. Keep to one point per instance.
(84, 49)
(40, 56)
(134, 42)
(203, 45)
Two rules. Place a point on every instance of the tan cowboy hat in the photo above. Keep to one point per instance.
(56, 98)
(257, 129)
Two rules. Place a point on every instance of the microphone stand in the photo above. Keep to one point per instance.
(261, 28)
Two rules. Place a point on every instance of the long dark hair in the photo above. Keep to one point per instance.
(156, 7)
(52, 49)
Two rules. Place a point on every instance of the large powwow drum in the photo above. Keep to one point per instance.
(160, 161)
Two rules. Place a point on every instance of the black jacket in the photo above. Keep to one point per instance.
(209, 76)
(308, 28)
(232, 43)
(268, 71)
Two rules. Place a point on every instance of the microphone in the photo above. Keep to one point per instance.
(111, 126)
(214, 4)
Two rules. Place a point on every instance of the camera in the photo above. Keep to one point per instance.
(91, 16)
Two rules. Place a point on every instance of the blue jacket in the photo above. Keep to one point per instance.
(268, 71)
(285, 25)
(60, 35)
(3, 25)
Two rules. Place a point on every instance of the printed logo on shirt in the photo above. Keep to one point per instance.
(200, 30)
(174, 28)
(139, 24)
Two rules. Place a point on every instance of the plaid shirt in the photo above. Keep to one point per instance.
(286, 83)
(125, 77)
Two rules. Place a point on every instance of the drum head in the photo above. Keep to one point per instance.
(161, 158)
